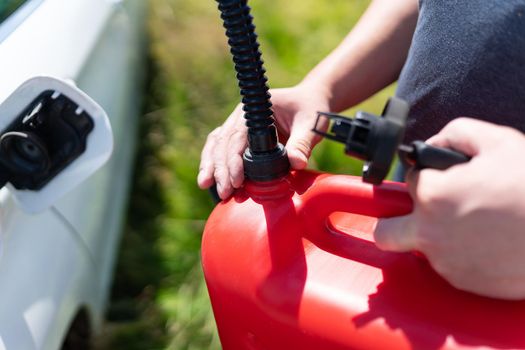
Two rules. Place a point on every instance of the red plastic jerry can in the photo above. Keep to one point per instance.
(291, 264)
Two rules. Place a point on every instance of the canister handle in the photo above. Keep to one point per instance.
(342, 193)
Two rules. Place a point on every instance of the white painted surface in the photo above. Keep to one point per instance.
(55, 40)
(53, 263)
(45, 274)
(111, 77)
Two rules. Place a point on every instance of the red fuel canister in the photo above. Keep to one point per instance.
(291, 264)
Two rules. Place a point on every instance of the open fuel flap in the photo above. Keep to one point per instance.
(52, 137)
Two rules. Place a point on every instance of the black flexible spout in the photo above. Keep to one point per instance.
(265, 159)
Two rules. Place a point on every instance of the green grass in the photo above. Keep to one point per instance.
(159, 299)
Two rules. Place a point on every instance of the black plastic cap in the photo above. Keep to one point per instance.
(266, 166)
(388, 134)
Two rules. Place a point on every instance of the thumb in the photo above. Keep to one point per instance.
(299, 146)
(466, 135)
(396, 234)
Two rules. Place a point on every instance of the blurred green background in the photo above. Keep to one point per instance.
(159, 298)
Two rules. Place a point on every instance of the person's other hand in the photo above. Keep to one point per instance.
(295, 110)
(469, 221)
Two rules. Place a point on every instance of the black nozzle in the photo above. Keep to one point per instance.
(265, 159)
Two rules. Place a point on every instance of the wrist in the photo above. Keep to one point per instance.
(320, 89)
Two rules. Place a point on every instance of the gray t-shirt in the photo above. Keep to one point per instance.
(467, 59)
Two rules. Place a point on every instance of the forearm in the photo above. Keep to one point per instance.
(370, 57)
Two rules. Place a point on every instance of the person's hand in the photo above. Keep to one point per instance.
(295, 110)
(469, 221)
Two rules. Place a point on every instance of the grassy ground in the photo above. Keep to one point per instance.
(159, 299)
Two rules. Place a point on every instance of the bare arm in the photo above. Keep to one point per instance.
(370, 57)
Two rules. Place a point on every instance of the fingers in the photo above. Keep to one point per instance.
(401, 234)
(220, 163)
(396, 234)
(432, 190)
(227, 161)
(412, 180)
(221, 157)
(465, 135)
(236, 146)
(300, 143)
(206, 168)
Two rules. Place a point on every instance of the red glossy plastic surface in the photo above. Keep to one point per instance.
(292, 265)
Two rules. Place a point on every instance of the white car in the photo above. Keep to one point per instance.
(56, 266)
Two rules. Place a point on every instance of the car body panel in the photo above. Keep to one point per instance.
(56, 39)
(42, 287)
(115, 84)
(61, 260)
(9, 24)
